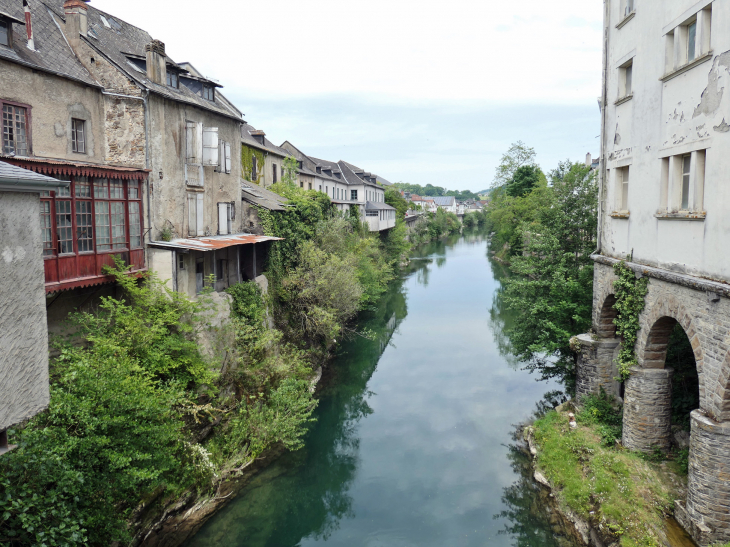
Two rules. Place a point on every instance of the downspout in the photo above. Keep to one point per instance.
(604, 102)
(145, 105)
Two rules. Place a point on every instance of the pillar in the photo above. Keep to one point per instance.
(648, 409)
(595, 365)
(706, 515)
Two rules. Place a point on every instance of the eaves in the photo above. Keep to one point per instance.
(53, 72)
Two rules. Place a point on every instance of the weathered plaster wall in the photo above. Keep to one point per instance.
(686, 113)
(54, 102)
(23, 335)
(167, 157)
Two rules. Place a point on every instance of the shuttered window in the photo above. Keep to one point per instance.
(196, 226)
(211, 156)
(226, 215)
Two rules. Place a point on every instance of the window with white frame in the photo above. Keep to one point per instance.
(622, 189)
(689, 41)
(625, 79)
(194, 153)
(353, 195)
(683, 183)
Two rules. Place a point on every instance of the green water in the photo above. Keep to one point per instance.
(414, 440)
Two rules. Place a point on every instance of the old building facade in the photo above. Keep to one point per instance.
(664, 208)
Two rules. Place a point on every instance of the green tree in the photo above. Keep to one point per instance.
(525, 179)
(394, 199)
(518, 155)
(552, 294)
(289, 172)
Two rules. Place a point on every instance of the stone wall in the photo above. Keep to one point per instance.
(23, 334)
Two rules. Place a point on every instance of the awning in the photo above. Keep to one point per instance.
(211, 243)
(61, 167)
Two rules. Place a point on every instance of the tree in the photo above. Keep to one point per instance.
(394, 199)
(289, 172)
(518, 155)
(552, 295)
(524, 180)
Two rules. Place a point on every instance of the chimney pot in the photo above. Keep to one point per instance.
(76, 21)
(28, 25)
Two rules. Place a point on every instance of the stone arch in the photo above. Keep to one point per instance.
(721, 399)
(606, 314)
(656, 327)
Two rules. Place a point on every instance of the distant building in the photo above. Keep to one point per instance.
(447, 203)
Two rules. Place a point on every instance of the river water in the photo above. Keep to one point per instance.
(414, 440)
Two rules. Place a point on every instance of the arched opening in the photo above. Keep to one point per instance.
(669, 347)
(605, 326)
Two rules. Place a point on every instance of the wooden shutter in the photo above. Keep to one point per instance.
(228, 157)
(200, 227)
(192, 215)
(223, 219)
(190, 146)
(210, 147)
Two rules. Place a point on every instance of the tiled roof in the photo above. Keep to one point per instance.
(262, 197)
(119, 38)
(249, 139)
(52, 52)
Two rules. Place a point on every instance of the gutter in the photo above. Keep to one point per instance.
(604, 103)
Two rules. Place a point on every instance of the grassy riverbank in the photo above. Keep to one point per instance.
(625, 496)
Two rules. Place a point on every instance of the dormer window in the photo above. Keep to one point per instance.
(208, 92)
(300, 163)
(4, 33)
(172, 79)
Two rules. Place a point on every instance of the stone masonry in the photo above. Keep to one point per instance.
(702, 308)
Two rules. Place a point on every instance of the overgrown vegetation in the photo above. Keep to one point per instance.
(630, 294)
(548, 235)
(618, 491)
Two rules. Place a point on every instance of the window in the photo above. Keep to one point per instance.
(181, 262)
(310, 185)
(622, 189)
(254, 168)
(4, 33)
(626, 74)
(172, 79)
(353, 195)
(15, 134)
(78, 137)
(208, 92)
(226, 215)
(84, 226)
(194, 153)
(224, 157)
(628, 7)
(195, 214)
(46, 228)
(274, 169)
(686, 167)
(691, 41)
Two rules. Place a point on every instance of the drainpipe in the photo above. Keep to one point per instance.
(604, 102)
(147, 165)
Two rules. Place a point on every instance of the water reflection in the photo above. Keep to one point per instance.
(412, 443)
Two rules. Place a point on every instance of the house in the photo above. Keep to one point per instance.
(62, 120)
(447, 203)
(24, 390)
(262, 162)
(193, 150)
(665, 211)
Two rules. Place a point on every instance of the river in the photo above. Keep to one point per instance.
(414, 440)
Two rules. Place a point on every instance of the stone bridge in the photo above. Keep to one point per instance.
(702, 309)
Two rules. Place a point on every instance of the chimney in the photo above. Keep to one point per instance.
(76, 21)
(28, 25)
(259, 135)
(589, 159)
(156, 63)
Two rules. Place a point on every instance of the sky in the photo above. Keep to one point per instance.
(416, 91)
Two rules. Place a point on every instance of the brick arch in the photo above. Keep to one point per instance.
(721, 398)
(656, 327)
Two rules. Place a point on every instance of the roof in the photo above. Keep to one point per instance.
(52, 52)
(262, 197)
(444, 201)
(382, 181)
(212, 243)
(16, 179)
(117, 39)
(248, 139)
(378, 206)
(85, 168)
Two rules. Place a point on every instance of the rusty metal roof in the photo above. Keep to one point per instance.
(212, 243)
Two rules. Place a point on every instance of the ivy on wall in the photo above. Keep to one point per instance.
(247, 156)
(630, 294)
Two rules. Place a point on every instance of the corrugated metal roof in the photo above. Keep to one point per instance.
(212, 243)
(378, 206)
(17, 178)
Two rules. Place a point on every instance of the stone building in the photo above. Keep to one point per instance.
(664, 204)
(23, 334)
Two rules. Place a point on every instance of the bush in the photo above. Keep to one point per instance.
(603, 410)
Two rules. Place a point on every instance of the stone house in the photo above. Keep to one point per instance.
(24, 388)
(61, 120)
(665, 207)
(262, 162)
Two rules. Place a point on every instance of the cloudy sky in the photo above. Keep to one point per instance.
(415, 90)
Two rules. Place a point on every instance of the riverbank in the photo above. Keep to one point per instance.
(613, 496)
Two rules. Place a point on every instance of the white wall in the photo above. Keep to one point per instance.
(677, 116)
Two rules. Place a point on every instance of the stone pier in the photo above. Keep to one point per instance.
(596, 368)
(648, 410)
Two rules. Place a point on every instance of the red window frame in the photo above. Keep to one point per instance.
(123, 193)
(28, 124)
